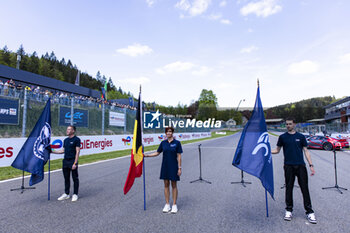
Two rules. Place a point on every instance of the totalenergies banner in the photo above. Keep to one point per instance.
(9, 147)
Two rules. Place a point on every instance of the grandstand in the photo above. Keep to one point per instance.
(86, 101)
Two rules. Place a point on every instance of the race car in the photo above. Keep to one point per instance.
(326, 143)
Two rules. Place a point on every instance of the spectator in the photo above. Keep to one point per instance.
(18, 90)
(1, 86)
(6, 88)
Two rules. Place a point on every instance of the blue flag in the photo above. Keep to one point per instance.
(253, 153)
(35, 152)
(103, 96)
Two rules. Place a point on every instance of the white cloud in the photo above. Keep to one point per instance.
(150, 3)
(344, 59)
(201, 71)
(218, 16)
(137, 81)
(263, 8)
(249, 49)
(175, 67)
(193, 7)
(250, 30)
(223, 85)
(180, 66)
(303, 67)
(225, 21)
(215, 16)
(223, 3)
(135, 50)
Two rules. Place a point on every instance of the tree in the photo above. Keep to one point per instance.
(207, 105)
(98, 76)
(33, 64)
(193, 108)
(207, 97)
(6, 56)
(52, 56)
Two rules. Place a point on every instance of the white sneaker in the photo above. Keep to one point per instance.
(174, 209)
(166, 208)
(63, 197)
(74, 197)
(312, 218)
(288, 216)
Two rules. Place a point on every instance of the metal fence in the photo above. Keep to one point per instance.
(327, 128)
(31, 105)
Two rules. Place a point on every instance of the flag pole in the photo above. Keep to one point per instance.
(48, 188)
(143, 159)
(144, 186)
(266, 201)
(267, 205)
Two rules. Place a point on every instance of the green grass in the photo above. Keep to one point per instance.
(10, 172)
(273, 134)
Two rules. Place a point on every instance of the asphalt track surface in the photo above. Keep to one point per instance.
(217, 207)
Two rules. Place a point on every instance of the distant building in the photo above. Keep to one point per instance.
(338, 112)
(231, 122)
(274, 122)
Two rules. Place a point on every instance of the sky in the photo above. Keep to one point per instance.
(175, 48)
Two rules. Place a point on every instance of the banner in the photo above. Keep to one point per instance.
(80, 117)
(116, 119)
(10, 147)
(9, 112)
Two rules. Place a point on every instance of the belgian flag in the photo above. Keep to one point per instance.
(136, 163)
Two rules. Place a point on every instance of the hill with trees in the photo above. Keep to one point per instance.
(49, 65)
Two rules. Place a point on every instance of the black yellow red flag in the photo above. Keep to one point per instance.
(135, 169)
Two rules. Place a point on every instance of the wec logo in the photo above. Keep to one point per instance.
(76, 115)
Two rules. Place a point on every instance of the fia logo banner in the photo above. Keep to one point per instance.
(42, 142)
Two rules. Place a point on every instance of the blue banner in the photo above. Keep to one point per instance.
(80, 117)
(131, 101)
(9, 112)
(253, 153)
(36, 150)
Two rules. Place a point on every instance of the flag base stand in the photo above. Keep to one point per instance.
(338, 188)
(200, 179)
(242, 181)
(22, 188)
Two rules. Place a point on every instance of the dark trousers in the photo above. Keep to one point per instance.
(290, 172)
(66, 174)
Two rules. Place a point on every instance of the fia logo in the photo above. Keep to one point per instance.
(151, 120)
(42, 142)
(263, 143)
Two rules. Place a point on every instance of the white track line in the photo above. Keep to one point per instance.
(107, 160)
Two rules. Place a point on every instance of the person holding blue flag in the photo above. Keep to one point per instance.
(71, 150)
(294, 144)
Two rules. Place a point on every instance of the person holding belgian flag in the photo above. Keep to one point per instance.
(171, 167)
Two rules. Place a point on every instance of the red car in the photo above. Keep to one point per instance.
(326, 143)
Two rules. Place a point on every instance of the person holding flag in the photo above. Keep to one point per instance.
(171, 167)
(294, 144)
(71, 150)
